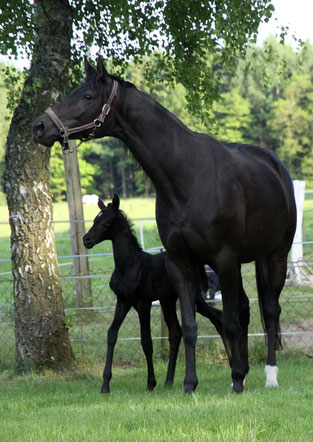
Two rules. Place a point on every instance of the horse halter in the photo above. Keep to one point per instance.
(65, 132)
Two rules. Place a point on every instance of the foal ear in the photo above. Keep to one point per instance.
(116, 201)
(101, 204)
(101, 69)
(89, 69)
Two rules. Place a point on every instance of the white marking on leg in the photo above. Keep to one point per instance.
(271, 373)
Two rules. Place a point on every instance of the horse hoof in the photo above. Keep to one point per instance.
(237, 387)
(151, 386)
(189, 388)
(168, 384)
(105, 390)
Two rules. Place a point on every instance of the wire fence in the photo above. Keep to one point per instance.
(88, 325)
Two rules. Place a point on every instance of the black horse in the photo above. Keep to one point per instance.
(138, 279)
(215, 204)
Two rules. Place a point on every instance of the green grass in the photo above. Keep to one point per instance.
(68, 407)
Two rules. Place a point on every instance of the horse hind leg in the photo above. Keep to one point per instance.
(271, 275)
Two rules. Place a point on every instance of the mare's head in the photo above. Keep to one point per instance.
(104, 223)
(80, 115)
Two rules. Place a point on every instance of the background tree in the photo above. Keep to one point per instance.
(41, 335)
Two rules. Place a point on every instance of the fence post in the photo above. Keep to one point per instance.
(77, 226)
(297, 248)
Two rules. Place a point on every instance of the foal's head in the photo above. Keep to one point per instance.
(104, 223)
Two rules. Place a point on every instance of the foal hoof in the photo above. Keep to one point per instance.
(237, 387)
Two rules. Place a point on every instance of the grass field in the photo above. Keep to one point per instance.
(68, 407)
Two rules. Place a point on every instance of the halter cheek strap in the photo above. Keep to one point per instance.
(65, 132)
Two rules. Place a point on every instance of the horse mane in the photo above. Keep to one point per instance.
(122, 215)
(122, 81)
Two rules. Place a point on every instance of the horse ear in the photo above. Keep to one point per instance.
(89, 69)
(101, 204)
(101, 69)
(116, 201)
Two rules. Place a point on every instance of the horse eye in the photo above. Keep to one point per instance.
(88, 96)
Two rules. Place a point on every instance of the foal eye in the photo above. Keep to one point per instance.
(88, 96)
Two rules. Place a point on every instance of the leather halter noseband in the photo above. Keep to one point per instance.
(65, 132)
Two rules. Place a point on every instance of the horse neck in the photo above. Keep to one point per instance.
(125, 245)
(156, 138)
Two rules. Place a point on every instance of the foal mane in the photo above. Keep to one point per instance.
(130, 225)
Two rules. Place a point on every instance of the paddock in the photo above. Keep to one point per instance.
(88, 325)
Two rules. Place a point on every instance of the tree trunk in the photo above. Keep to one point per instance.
(41, 334)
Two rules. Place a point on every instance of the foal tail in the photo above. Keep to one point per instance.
(262, 285)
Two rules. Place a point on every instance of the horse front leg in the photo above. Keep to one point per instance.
(229, 275)
(121, 310)
(175, 334)
(144, 311)
(183, 277)
(244, 318)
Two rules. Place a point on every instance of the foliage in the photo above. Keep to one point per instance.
(181, 34)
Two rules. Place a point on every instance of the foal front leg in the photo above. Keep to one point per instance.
(184, 277)
(121, 310)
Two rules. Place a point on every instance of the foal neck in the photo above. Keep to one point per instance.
(125, 244)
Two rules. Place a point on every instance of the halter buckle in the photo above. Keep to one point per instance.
(106, 109)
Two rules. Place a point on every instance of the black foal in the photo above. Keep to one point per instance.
(138, 279)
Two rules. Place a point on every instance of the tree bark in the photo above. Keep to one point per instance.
(41, 334)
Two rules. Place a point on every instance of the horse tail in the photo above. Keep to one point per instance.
(262, 285)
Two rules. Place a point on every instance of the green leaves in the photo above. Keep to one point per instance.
(183, 33)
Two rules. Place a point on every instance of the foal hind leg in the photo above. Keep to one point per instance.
(175, 334)
(144, 310)
(276, 272)
(121, 311)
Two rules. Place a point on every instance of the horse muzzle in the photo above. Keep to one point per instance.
(44, 132)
